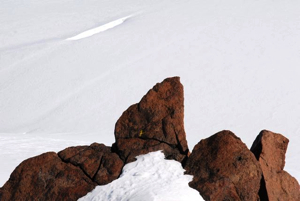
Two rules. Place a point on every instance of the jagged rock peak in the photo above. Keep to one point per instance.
(155, 123)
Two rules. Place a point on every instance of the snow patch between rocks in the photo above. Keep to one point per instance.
(150, 178)
(99, 29)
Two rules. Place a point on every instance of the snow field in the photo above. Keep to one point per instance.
(238, 61)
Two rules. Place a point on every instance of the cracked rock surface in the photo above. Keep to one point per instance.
(68, 175)
(155, 123)
(97, 162)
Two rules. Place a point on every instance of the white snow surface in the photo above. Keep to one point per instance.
(150, 178)
(238, 61)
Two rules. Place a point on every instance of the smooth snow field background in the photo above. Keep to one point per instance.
(238, 61)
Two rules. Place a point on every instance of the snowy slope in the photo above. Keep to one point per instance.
(238, 61)
(150, 178)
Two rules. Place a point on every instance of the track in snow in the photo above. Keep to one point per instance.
(99, 29)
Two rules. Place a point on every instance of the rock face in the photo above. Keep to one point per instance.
(269, 149)
(155, 123)
(224, 169)
(68, 175)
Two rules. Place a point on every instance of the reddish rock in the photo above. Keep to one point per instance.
(69, 175)
(97, 161)
(269, 149)
(46, 177)
(224, 169)
(155, 123)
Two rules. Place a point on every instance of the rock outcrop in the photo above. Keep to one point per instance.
(222, 166)
(269, 149)
(68, 175)
(155, 123)
(224, 169)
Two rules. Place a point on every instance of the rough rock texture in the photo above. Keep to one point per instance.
(97, 162)
(224, 169)
(155, 123)
(46, 177)
(68, 175)
(269, 149)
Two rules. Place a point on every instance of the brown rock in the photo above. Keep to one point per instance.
(97, 161)
(155, 123)
(69, 175)
(224, 169)
(46, 177)
(269, 149)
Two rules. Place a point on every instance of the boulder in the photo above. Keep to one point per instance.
(68, 175)
(96, 161)
(155, 123)
(46, 177)
(224, 169)
(269, 149)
